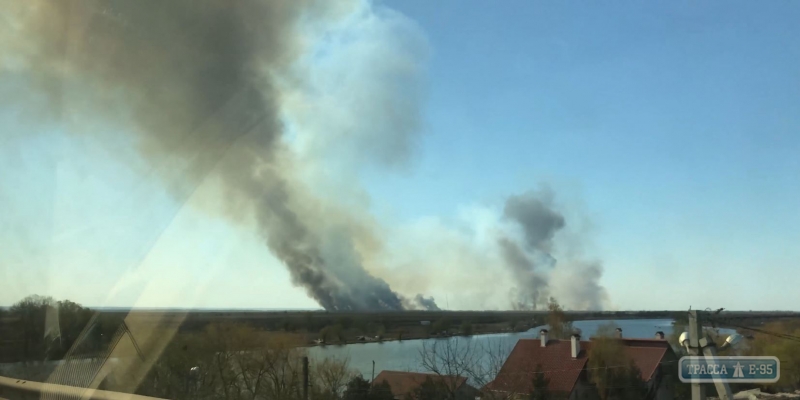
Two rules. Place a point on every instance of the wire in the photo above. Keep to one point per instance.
(780, 335)
(775, 334)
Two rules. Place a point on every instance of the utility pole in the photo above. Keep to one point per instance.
(695, 330)
(305, 378)
(723, 389)
(373, 371)
(701, 345)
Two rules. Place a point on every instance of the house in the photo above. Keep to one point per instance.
(564, 364)
(403, 384)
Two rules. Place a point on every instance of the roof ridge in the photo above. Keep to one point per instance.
(646, 353)
(414, 372)
(426, 374)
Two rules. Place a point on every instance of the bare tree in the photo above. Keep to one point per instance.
(279, 363)
(330, 377)
(558, 321)
(613, 373)
(228, 361)
(463, 357)
(266, 365)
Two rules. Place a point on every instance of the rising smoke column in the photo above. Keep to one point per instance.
(426, 303)
(539, 222)
(194, 82)
(530, 257)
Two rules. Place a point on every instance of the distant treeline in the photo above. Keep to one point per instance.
(39, 328)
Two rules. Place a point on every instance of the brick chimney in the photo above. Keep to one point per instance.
(575, 345)
(619, 333)
(660, 335)
(543, 337)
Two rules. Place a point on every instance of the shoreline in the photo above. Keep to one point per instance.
(414, 337)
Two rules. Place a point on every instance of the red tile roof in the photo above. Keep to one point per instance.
(403, 383)
(557, 364)
(647, 354)
(516, 375)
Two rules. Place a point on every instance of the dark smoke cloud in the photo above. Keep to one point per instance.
(426, 303)
(538, 220)
(531, 286)
(193, 80)
(530, 259)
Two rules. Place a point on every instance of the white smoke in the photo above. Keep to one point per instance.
(285, 110)
(465, 261)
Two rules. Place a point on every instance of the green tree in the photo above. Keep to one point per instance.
(381, 391)
(540, 385)
(432, 390)
(31, 314)
(357, 388)
(47, 328)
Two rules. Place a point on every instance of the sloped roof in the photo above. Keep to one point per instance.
(403, 383)
(647, 354)
(558, 366)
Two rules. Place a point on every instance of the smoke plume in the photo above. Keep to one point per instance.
(533, 214)
(426, 303)
(539, 222)
(577, 282)
(224, 88)
(532, 284)
(526, 249)
(196, 82)
(531, 261)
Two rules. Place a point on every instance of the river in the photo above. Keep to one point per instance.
(404, 355)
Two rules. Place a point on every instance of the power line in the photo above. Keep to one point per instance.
(775, 334)
(759, 330)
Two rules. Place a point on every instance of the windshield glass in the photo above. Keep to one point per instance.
(307, 199)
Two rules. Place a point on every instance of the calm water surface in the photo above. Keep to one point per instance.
(404, 356)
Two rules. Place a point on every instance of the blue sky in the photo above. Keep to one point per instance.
(675, 124)
(667, 131)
